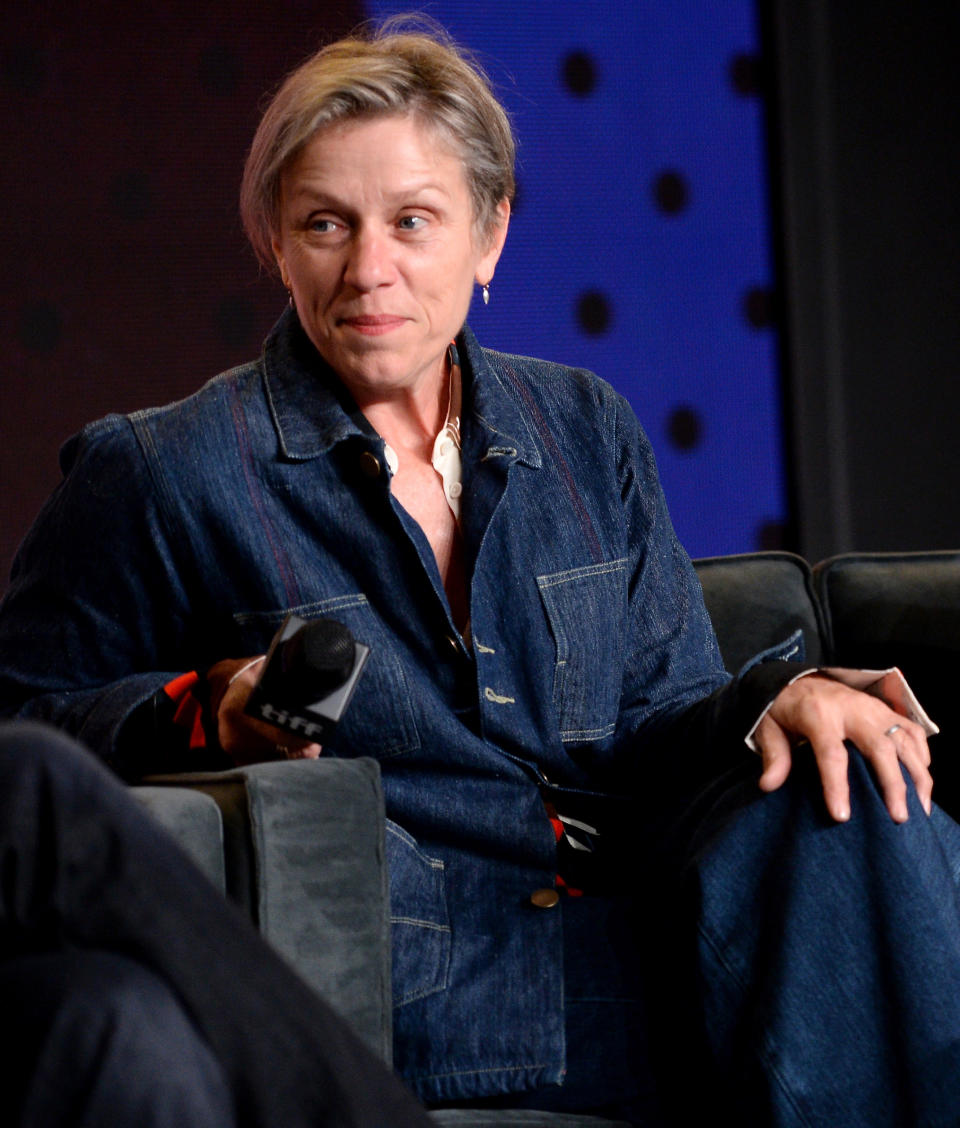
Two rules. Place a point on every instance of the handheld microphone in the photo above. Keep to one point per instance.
(308, 678)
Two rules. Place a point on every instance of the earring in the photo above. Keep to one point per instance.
(486, 294)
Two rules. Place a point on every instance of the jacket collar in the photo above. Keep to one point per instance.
(494, 403)
(312, 411)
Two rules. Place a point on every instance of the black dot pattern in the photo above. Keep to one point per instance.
(579, 73)
(684, 428)
(671, 192)
(594, 313)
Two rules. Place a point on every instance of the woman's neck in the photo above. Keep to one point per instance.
(409, 419)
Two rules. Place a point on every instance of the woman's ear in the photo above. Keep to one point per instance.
(496, 237)
(281, 262)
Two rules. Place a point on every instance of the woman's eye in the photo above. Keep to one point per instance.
(412, 222)
(322, 226)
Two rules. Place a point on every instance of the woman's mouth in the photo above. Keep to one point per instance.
(373, 324)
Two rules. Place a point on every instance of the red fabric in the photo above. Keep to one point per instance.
(558, 832)
(189, 708)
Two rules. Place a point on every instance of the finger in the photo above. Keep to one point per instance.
(918, 741)
(914, 753)
(903, 743)
(299, 751)
(833, 764)
(247, 740)
(775, 753)
(883, 754)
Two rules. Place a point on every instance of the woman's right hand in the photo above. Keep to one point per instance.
(245, 739)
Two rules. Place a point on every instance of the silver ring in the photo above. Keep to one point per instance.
(892, 729)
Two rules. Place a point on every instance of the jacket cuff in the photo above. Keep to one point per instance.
(757, 688)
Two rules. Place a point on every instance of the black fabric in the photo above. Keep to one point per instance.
(83, 867)
(100, 1041)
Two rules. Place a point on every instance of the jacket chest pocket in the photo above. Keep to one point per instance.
(586, 609)
(379, 719)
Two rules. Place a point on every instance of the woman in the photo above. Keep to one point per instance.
(493, 529)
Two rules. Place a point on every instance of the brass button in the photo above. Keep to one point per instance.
(370, 464)
(544, 898)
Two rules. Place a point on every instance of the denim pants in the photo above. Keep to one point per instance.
(95, 897)
(786, 972)
(829, 960)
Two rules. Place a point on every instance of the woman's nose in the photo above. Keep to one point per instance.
(369, 263)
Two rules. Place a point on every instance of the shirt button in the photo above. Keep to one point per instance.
(455, 490)
(370, 464)
(544, 898)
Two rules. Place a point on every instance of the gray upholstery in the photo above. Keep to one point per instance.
(526, 1118)
(303, 852)
(193, 819)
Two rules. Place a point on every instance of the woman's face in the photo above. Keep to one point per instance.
(378, 247)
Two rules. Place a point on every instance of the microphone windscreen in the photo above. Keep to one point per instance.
(318, 658)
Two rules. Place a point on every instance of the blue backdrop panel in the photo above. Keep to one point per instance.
(640, 243)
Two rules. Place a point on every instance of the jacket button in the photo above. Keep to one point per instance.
(370, 464)
(544, 898)
(453, 645)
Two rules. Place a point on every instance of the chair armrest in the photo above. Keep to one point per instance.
(304, 853)
(194, 820)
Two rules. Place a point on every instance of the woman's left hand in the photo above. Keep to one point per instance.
(825, 713)
(245, 739)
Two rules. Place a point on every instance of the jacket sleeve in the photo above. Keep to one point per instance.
(96, 612)
(683, 719)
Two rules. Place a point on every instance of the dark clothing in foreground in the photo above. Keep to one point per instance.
(133, 992)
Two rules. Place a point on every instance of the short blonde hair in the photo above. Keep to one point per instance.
(390, 71)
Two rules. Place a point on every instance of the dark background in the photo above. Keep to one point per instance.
(866, 160)
(816, 413)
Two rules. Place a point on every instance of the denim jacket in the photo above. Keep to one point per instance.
(184, 534)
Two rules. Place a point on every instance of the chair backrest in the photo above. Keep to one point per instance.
(757, 600)
(901, 609)
(896, 609)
